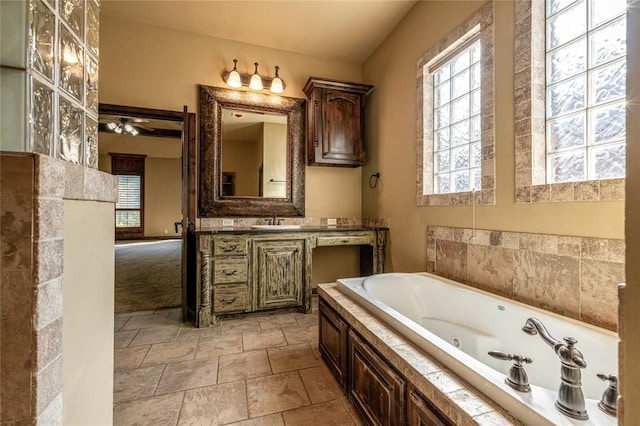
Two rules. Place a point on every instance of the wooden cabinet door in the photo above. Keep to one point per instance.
(333, 342)
(377, 391)
(422, 413)
(342, 127)
(278, 273)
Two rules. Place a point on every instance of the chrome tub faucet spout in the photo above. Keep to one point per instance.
(570, 396)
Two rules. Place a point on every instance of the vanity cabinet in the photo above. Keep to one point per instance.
(230, 278)
(335, 122)
(278, 273)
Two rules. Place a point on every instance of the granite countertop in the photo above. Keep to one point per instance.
(249, 229)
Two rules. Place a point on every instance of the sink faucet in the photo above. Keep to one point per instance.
(274, 220)
(570, 399)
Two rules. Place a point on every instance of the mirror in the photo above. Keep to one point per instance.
(251, 154)
(254, 154)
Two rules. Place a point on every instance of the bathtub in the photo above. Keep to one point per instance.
(458, 325)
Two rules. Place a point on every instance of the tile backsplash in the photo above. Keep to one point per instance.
(573, 276)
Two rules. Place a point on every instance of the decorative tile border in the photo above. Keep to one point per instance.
(530, 121)
(572, 276)
(33, 189)
(480, 22)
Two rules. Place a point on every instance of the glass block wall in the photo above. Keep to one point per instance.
(49, 78)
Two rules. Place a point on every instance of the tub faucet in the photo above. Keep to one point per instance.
(570, 400)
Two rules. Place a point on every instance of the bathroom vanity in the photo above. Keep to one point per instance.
(243, 270)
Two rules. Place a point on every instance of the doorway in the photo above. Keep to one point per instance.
(150, 152)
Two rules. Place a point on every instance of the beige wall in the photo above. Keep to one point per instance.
(275, 159)
(391, 140)
(87, 337)
(630, 314)
(243, 157)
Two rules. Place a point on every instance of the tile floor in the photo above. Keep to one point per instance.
(263, 370)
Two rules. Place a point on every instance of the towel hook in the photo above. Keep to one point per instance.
(373, 180)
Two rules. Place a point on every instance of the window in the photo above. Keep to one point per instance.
(129, 169)
(570, 72)
(455, 138)
(456, 122)
(585, 97)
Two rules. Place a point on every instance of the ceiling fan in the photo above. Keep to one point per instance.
(127, 126)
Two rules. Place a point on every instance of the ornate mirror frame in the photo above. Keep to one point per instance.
(211, 202)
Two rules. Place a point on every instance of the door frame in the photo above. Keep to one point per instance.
(188, 140)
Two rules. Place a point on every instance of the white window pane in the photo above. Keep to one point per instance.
(476, 154)
(566, 25)
(460, 109)
(460, 157)
(441, 117)
(607, 162)
(608, 83)
(603, 10)
(461, 84)
(441, 140)
(554, 6)
(442, 93)
(566, 96)
(567, 61)
(461, 62)
(127, 219)
(475, 102)
(476, 180)
(442, 161)
(566, 132)
(475, 76)
(442, 184)
(442, 74)
(475, 128)
(566, 167)
(607, 123)
(460, 181)
(460, 133)
(475, 51)
(128, 192)
(608, 42)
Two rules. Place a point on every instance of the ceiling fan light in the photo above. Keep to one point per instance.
(276, 84)
(233, 80)
(128, 128)
(118, 129)
(256, 80)
(134, 131)
(111, 126)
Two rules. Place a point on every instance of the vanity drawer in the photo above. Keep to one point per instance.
(346, 240)
(229, 270)
(228, 246)
(230, 298)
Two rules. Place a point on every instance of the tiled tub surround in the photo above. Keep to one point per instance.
(463, 404)
(576, 277)
(33, 188)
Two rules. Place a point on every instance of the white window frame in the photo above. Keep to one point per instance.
(479, 25)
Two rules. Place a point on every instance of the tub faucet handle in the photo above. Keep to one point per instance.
(609, 401)
(516, 377)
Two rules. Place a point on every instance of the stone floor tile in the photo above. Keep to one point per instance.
(307, 319)
(222, 345)
(129, 357)
(121, 339)
(215, 405)
(118, 322)
(331, 413)
(135, 314)
(316, 350)
(168, 311)
(301, 334)
(272, 394)
(149, 336)
(148, 321)
(320, 384)
(157, 410)
(263, 339)
(240, 325)
(277, 321)
(243, 366)
(190, 332)
(136, 383)
(352, 410)
(272, 420)
(293, 357)
(185, 375)
(162, 353)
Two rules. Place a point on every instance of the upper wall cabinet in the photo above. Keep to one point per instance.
(335, 122)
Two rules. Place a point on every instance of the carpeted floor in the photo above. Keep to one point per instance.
(148, 275)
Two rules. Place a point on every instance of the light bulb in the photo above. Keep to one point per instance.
(128, 128)
(276, 83)
(134, 131)
(118, 129)
(233, 79)
(111, 126)
(256, 80)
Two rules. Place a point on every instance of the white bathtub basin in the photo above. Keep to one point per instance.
(436, 313)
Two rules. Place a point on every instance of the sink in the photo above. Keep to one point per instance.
(275, 227)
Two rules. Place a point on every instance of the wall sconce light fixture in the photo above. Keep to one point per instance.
(254, 81)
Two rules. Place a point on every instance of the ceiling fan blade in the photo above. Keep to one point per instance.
(142, 126)
(139, 120)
